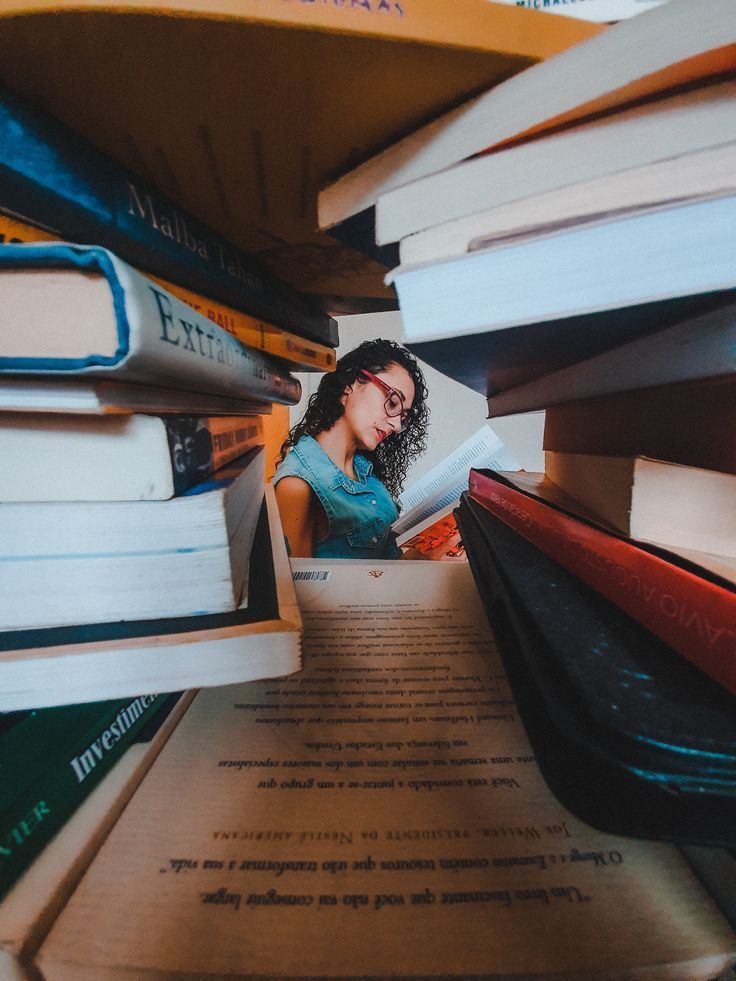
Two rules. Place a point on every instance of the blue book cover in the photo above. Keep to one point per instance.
(53, 177)
(133, 327)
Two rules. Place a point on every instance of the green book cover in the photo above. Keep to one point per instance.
(50, 760)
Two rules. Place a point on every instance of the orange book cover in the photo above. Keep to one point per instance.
(240, 110)
(441, 541)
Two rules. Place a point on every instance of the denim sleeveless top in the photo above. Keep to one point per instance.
(360, 512)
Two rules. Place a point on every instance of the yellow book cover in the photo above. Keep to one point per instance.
(240, 110)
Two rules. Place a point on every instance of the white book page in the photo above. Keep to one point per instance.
(379, 814)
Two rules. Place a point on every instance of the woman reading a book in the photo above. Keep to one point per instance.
(343, 466)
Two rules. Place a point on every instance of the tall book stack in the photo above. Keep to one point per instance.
(138, 555)
(569, 247)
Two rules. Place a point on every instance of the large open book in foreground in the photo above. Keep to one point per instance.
(380, 814)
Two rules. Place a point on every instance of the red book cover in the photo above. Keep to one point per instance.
(695, 616)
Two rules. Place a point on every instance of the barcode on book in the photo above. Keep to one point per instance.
(311, 575)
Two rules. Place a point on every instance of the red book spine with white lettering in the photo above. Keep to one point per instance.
(695, 616)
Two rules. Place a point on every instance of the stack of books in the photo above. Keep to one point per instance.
(145, 360)
(133, 407)
(138, 553)
(573, 252)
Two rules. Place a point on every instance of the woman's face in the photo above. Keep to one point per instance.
(365, 406)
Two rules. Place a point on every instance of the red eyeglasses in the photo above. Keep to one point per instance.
(394, 404)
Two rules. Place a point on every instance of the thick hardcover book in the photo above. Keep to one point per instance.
(261, 639)
(52, 176)
(80, 562)
(298, 352)
(630, 737)
(116, 457)
(692, 348)
(692, 612)
(50, 761)
(80, 310)
(237, 883)
(671, 46)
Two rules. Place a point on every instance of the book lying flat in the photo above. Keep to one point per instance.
(676, 252)
(52, 176)
(299, 353)
(656, 130)
(692, 348)
(629, 736)
(436, 538)
(76, 562)
(93, 396)
(670, 46)
(79, 310)
(692, 611)
(702, 173)
(530, 356)
(652, 500)
(113, 660)
(598, 11)
(51, 760)
(116, 458)
(379, 815)
(669, 422)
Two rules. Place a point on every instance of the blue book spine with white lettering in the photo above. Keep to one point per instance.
(156, 338)
(50, 176)
(50, 761)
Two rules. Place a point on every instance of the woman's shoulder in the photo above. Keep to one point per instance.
(297, 460)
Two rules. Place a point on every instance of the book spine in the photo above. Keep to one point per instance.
(53, 177)
(694, 616)
(199, 446)
(44, 806)
(162, 341)
(300, 353)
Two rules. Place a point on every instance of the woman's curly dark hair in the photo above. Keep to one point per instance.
(392, 457)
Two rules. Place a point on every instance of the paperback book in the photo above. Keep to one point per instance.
(85, 312)
(66, 563)
(126, 457)
(90, 662)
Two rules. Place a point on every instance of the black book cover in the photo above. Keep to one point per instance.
(629, 736)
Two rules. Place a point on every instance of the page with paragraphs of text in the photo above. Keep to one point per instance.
(379, 814)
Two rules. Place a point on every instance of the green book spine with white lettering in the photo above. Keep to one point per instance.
(50, 760)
